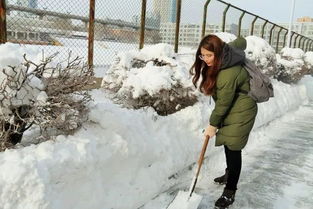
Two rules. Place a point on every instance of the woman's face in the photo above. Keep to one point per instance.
(207, 56)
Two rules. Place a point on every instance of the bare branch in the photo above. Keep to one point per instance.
(63, 112)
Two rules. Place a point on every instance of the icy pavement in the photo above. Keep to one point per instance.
(277, 174)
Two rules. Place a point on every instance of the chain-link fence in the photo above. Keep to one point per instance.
(122, 34)
(62, 26)
(57, 26)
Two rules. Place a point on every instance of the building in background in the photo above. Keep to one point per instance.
(190, 34)
(305, 25)
(151, 20)
(305, 19)
(27, 3)
(165, 10)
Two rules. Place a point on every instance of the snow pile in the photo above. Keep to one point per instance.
(292, 53)
(263, 55)
(308, 59)
(15, 86)
(151, 77)
(226, 37)
(258, 50)
(12, 54)
(291, 65)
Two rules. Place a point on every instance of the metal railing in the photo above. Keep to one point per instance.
(50, 26)
(256, 17)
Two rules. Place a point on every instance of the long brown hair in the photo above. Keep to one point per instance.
(209, 74)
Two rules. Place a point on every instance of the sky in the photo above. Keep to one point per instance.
(275, 10)
(131, 155)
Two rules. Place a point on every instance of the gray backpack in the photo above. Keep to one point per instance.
(261, 88)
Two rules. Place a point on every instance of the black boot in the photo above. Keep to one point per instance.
(222, 179)
(227, 198)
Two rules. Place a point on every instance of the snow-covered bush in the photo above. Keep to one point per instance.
(291, 65)
(47, 95)
(308, 60)
(257, 50)
(263, 55)
(151, 77)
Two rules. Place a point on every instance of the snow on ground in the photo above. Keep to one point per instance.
(123, 158)
(277, 173)
(125, 154)
(104, 51)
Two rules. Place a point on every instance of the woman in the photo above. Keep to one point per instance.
(223, 78)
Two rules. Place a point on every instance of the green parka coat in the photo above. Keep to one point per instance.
(234, 113)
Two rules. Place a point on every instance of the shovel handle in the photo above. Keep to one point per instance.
(200, 161)
(201, 158)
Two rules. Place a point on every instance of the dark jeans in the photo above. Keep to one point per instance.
(233, 161)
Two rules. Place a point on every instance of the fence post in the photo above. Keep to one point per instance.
(3, 22)
(278, 37)
(178, 12)
(224, 17)
(240, 20)
(285, 37)
(205, 11)
(262, 33)
(295, 43)
(252, 25)
(292, 34)
(299, 44)
(271, 34)
(306, 45)
(91, 31)
(142, 23)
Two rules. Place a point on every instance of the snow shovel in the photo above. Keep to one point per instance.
(190, 200)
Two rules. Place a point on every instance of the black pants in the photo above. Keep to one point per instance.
(233, 161)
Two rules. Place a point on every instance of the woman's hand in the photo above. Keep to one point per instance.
(210, 131)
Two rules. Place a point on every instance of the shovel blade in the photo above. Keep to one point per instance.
(182, 201)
